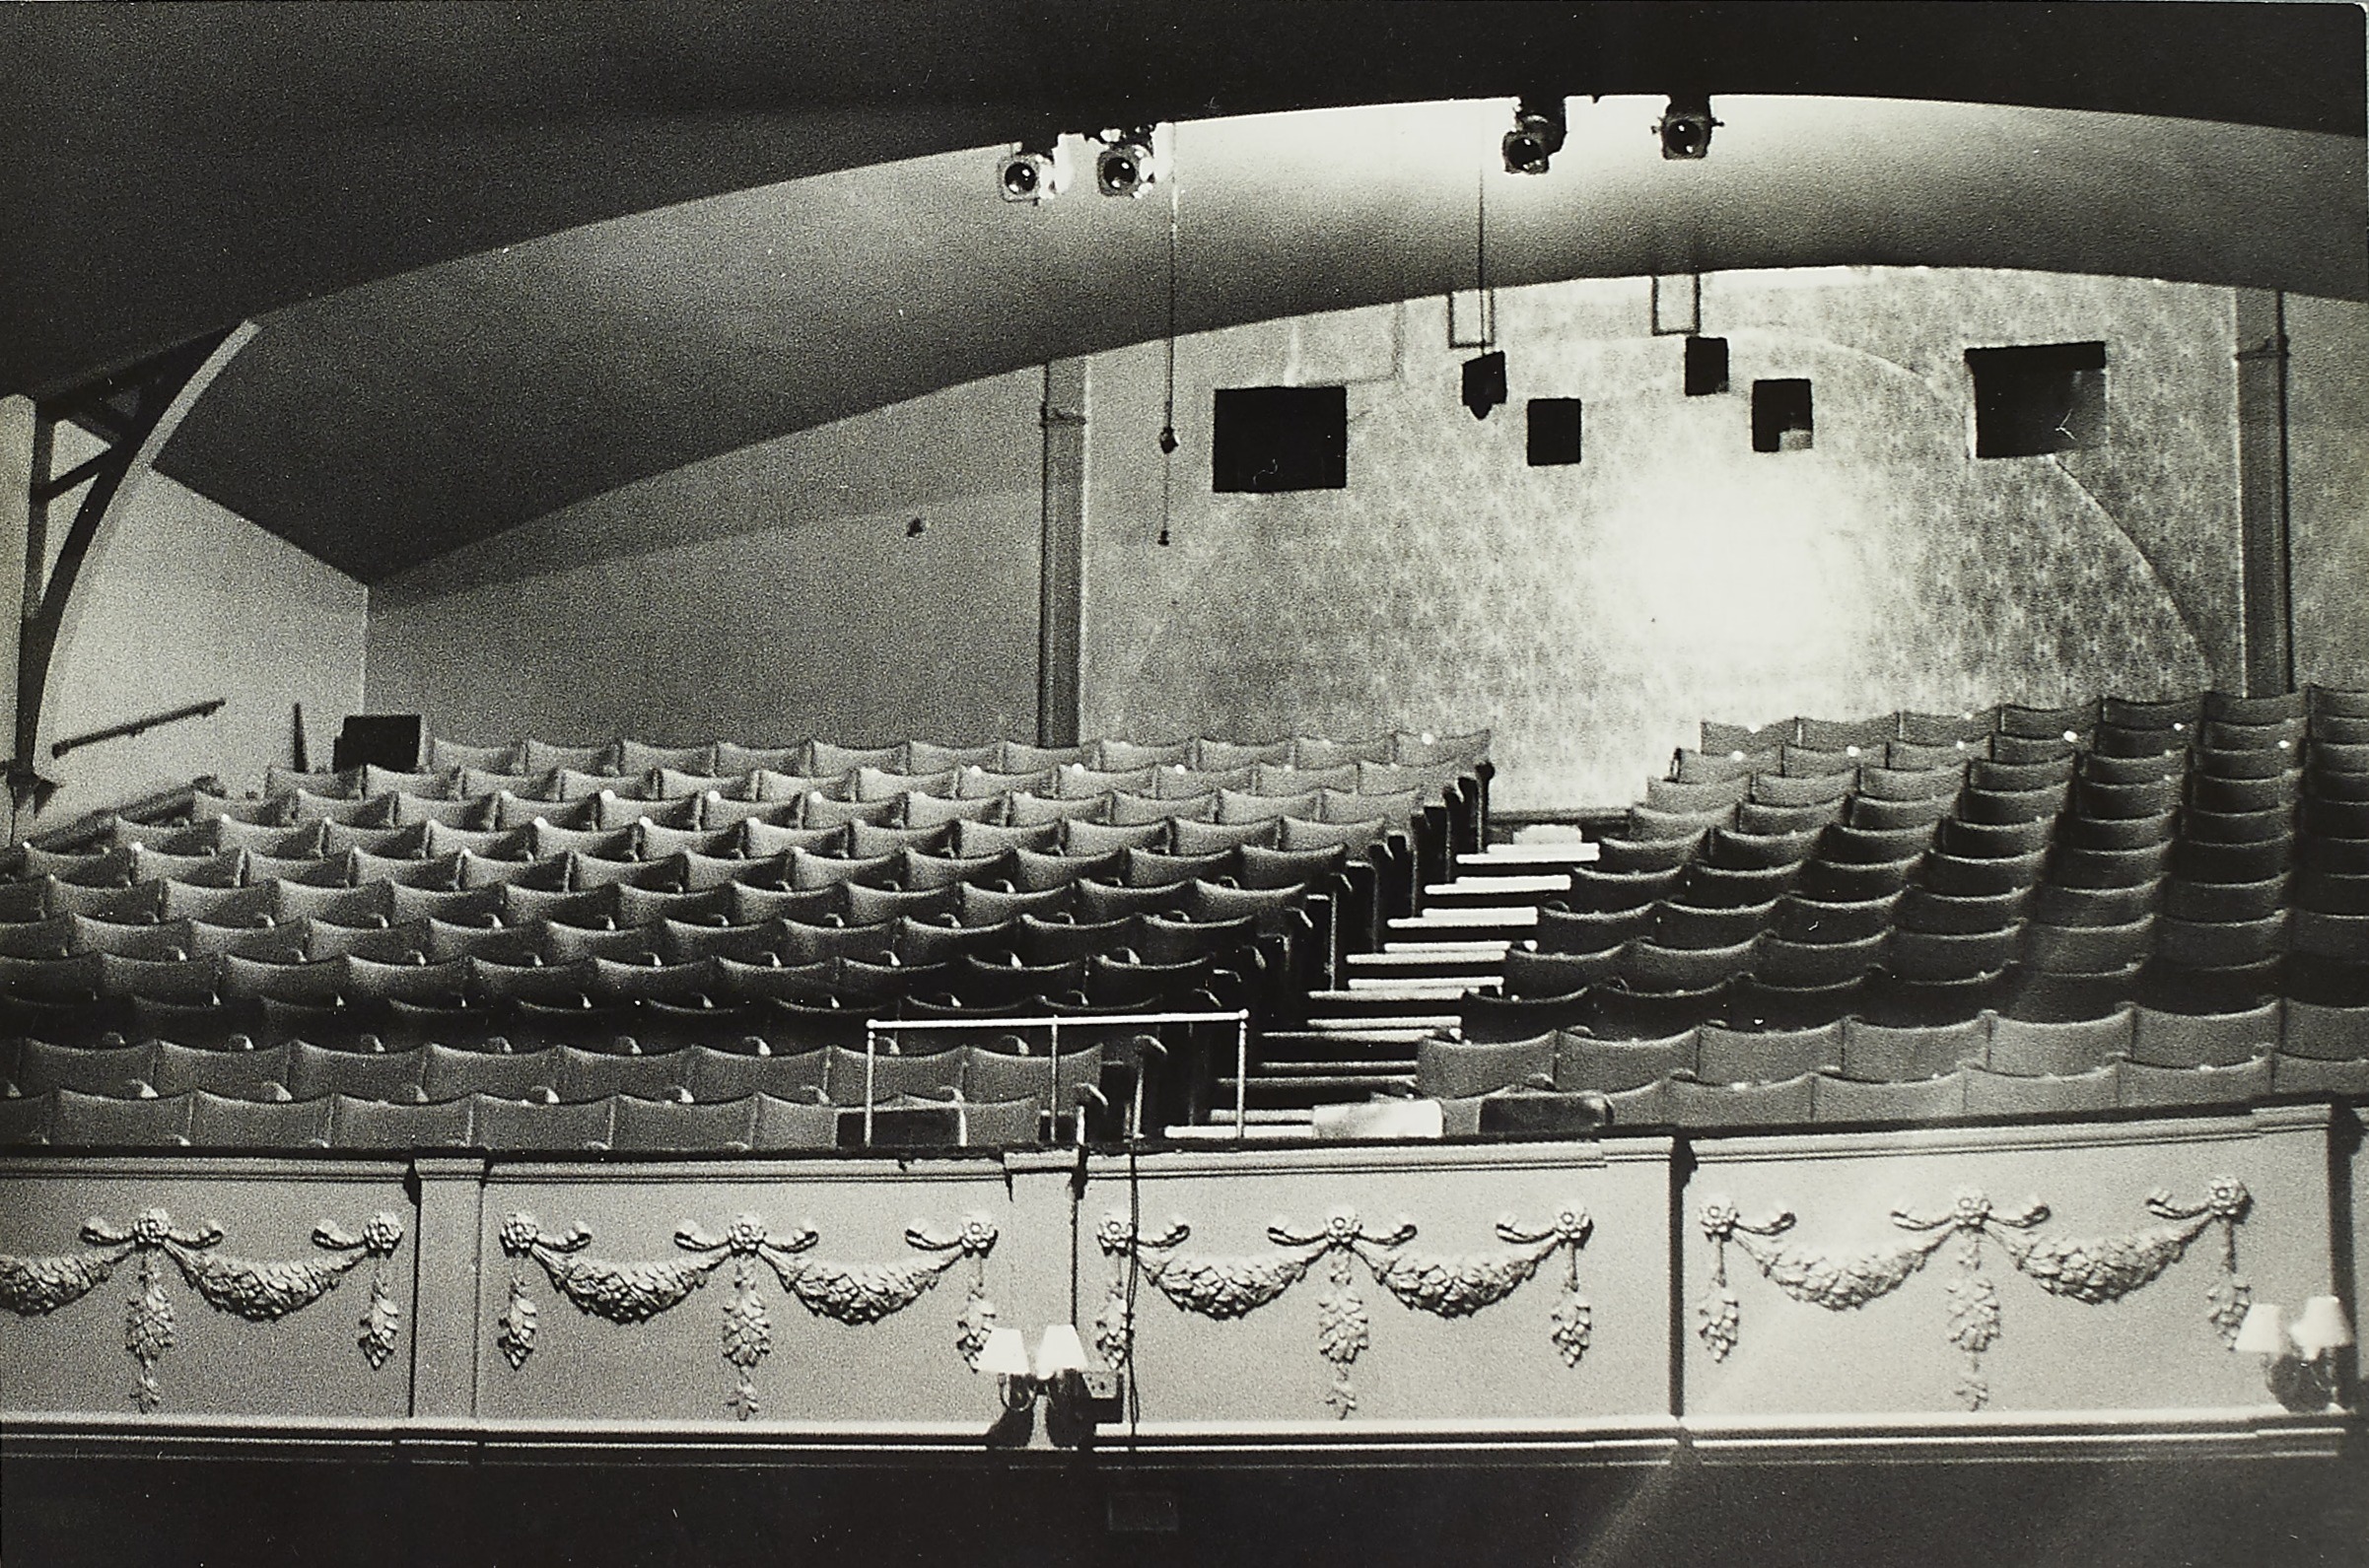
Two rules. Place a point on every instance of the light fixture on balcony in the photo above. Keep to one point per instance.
(1060, 1354)
(2298, 1358)
(1076, 1392)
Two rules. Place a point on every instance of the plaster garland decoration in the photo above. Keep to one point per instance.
(2091, 1270)
(1445, 1287)
(849, 1293)
(259, 1292)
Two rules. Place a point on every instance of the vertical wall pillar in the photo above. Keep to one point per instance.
(2264, 560)
(1062, 593)
(445, 1347)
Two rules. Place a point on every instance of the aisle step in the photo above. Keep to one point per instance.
(1444, 918)
(1509, 856)
(1392, 962)
(1411, 1025)
(1456, 947)
(1279, 1070)
(1256, 1133)
(1398, 1007)
(1500, 888)
(1279, 1092)
(1341, 1045)
(1254, 1115)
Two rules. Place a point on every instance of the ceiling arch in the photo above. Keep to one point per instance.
(170, 169)
(394, 421)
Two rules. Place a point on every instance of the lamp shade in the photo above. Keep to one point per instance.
(2321, 1325)
(1060, 1350)
(2264, 1331)
(1006, 1353)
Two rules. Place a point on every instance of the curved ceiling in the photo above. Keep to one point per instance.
(389, 424)
(170, 168)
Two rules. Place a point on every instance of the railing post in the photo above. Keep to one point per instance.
(1242, 1077)
(1053, 1072)
(871, 1058)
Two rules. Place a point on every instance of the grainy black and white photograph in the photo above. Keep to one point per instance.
(1186, 783)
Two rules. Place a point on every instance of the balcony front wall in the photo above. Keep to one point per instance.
(1323, 1304)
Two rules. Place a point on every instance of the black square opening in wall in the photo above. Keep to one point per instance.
(1554, 432)
(1267, 439)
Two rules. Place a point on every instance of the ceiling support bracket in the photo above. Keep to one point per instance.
(131, 411)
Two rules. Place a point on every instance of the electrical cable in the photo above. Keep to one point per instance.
(1168, 428)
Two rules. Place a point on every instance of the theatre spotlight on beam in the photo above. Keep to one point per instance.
(1128, 162)
(1686, 126)
(1537, 135)
(1032, 172)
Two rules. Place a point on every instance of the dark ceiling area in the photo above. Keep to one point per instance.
(505, 257)
(170, 168)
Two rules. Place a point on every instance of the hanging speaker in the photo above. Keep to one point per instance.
(1485, 382)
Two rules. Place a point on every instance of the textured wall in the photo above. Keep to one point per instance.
(189, 602)
(775, 591)
(1591, 614)
(2327, 487)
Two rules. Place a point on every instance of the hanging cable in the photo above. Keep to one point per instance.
(1481, 230)
(1168, 428)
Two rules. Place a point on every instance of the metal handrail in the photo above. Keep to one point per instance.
(876, 1028)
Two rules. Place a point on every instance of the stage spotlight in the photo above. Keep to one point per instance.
(1536, 137)
(1685, 127)
(1032, 172)
(1125, 165)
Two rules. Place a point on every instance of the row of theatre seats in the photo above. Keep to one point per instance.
(1012, 1089)
(2120, 878)
(1991, 1065)
(360, 922)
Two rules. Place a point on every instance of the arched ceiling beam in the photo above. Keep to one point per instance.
(391, 424)
(167, 169)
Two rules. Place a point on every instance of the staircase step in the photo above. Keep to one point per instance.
(1282, 1093)
(1455, 947)
(1274, 1070)
(1223, 1132)
(1512, 859)
(1413, 1025)
(1388, 962)
(1342, 1044)
(1499, 888)
(1448, 917)
(1369, 1004)
(1447, 987)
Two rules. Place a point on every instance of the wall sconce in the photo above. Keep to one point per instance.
(1076, 1392)
(2299, 1360)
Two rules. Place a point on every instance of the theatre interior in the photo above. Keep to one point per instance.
(1196, 784)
